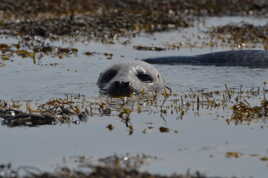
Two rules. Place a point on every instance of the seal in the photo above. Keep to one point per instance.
(250, 58)
(125, 79)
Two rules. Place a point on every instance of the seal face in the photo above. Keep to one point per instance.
(124, 79)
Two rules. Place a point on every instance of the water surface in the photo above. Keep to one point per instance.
(200, 144)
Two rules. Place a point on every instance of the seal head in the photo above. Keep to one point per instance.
(125, 79)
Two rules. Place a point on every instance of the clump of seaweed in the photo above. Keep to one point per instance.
(148, 48)
(243, 112)
(127, 161)
(119, 166)
(7, 171)
(236, 155)
(241, 35)
(34, 50)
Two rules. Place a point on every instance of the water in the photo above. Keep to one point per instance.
(200, 144)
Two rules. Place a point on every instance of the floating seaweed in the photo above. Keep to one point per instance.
(148, 48)
(34, 49)
(76, 109)
(119, 166)
(243, 112)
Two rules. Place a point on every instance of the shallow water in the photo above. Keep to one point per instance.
(201, 141)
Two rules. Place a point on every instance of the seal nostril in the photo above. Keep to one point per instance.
(121, 84)
(125, 84)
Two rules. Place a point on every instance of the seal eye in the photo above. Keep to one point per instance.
(144, 77)
(107, 76)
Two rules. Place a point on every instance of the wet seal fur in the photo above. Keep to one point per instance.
(250, 58)
(125, 79)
